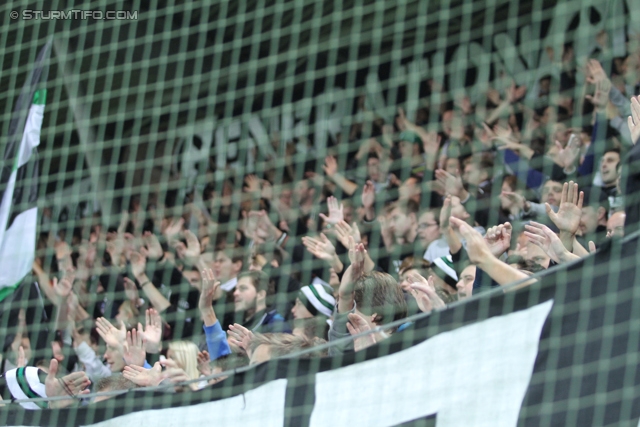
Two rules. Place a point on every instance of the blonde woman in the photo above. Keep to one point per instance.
(185, 356)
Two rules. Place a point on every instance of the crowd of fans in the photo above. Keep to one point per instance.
(407, 217)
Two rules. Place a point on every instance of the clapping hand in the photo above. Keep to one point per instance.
(239, 339)
(424, 291)
(335, 212)
(134, 350)
(152, 332)
(321, 248)
(112, 336)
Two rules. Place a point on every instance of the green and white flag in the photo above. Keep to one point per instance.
(18, 179)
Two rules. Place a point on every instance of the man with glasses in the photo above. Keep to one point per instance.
(430, 237)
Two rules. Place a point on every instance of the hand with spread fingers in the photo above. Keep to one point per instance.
(567, 219)
(358, 324)
(321, 248)
(110, 334)
(335, 212)
(542, 236)
(344, 230)
(152, 332)
(143, 377)
(134, 351)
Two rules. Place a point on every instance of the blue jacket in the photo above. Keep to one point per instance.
(216, 341)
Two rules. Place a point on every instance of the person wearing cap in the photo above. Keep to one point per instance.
(445, 276)
(30, 382)
(312, 310)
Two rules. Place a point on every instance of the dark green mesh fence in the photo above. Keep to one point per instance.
(144, 145)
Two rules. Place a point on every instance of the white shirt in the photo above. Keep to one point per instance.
(230, 285)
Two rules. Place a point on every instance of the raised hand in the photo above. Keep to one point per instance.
(595, 72)
(542, 236)
(112, 336)
(342, 231)
(368, 196)
(143, 377)
(600, 98)
(515, 93)
(335, 212)
(210, 289)
(634, 119)
(239, 339)
(445, 213)
(477, 248)
(131, 291)
(569, 155)
(330, 166)
(498, 239)
(253, 184)
(321, 248)
(357, 254)
(517, 199)
(424, 291)
(63, 287)
(134, 349)
(152, 332)
(193, 249)
(452, 184)
(356, 325)
(138, 264)
(173, 229)
(71, 385)
(567, 219)
(22, 360)
(203, 363)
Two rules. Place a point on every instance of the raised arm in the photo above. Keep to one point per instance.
(217, 343)
(567, 219)
(138, 267)
(481, 256)
(353, 272)
(331, 170)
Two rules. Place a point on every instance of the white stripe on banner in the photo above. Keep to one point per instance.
(18, 248)
(476, 375)
(261, 407)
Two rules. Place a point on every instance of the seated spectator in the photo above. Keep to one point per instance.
(185, 356)
(615, 224)
(375, 296)
(593, 222)
(270, 346)
(312, 311)
(430, 236)
(465, 284)
(114, 382)
(250, 299)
